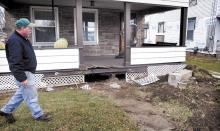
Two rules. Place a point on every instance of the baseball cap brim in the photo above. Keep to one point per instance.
(31, 25)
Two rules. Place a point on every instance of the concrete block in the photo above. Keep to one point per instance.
(179, 77)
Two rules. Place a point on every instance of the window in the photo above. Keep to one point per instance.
(45, 33)
(146, 27)
(161, 28)
(191, 28)
(192, 2)
(90, 26)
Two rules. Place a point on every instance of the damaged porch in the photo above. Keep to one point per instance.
(101, 37)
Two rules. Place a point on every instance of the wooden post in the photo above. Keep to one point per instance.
(79, 29)
(127, 34)
(183, 25)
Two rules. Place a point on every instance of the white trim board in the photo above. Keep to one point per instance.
(157, 55)
(54, 59)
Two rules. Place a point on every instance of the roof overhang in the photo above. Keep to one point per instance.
(178, 3)
(112, 4)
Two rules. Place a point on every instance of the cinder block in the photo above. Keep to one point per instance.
(178, 77)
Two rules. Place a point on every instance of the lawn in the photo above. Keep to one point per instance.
(72, 110)
(208, 63)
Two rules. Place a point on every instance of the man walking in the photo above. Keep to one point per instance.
(22, 63)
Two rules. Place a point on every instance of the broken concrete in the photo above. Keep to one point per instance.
(179, 77)
(115, 86)
(86, 87)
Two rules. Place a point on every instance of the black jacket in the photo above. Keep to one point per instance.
(20, 55)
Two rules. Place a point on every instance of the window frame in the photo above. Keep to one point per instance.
(95, 11)
(159, 24)
(56, 16)
(194, 20)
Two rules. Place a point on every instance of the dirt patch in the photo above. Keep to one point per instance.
(135, 103)
(195, 108)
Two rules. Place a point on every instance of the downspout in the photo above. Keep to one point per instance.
(211, 33)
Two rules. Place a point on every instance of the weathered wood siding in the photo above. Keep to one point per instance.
(156, 55)
(53, 59)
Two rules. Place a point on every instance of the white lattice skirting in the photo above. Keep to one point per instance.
(156, 70)
(7, 82)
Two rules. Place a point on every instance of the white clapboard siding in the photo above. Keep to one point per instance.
(157, 55)
(180, 3)
(52, 59)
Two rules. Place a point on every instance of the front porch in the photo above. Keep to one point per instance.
(97, 32)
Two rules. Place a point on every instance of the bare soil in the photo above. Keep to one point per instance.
(201, 98)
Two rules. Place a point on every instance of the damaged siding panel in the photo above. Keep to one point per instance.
(157, 55)
(53, 59)
(180, 3)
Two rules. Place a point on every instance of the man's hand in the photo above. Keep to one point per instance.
(24, 83)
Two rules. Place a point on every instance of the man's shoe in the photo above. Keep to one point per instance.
(9, 117)
(44, 117)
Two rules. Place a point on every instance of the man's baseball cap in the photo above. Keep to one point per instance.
(24, 22)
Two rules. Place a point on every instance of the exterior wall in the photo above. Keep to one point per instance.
(217, 39)
(218, 8)
(203, 12)
(109, 34)
(172, 26)
(109, 28)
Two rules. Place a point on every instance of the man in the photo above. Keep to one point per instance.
(22, 63)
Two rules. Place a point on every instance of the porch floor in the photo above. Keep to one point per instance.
(103, 62)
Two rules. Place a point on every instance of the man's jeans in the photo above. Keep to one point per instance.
(28, 95)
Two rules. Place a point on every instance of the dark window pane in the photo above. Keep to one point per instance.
(43, 15)
(45, 34)
(88, 17)
(190, 34)
(161, 27)
(89, 26)
(191, 23)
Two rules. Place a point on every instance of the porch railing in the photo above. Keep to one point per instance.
(157, 55)
(51, 59)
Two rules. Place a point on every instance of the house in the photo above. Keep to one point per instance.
(103, 35)
(202, 31)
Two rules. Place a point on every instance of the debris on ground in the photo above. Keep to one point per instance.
(215, 75)
(49, 89)
(146, 80)
(179, 78)
(115, 85)
(86, 87)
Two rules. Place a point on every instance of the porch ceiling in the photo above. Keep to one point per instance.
(108, 4)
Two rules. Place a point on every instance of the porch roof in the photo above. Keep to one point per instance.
(112, 4)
